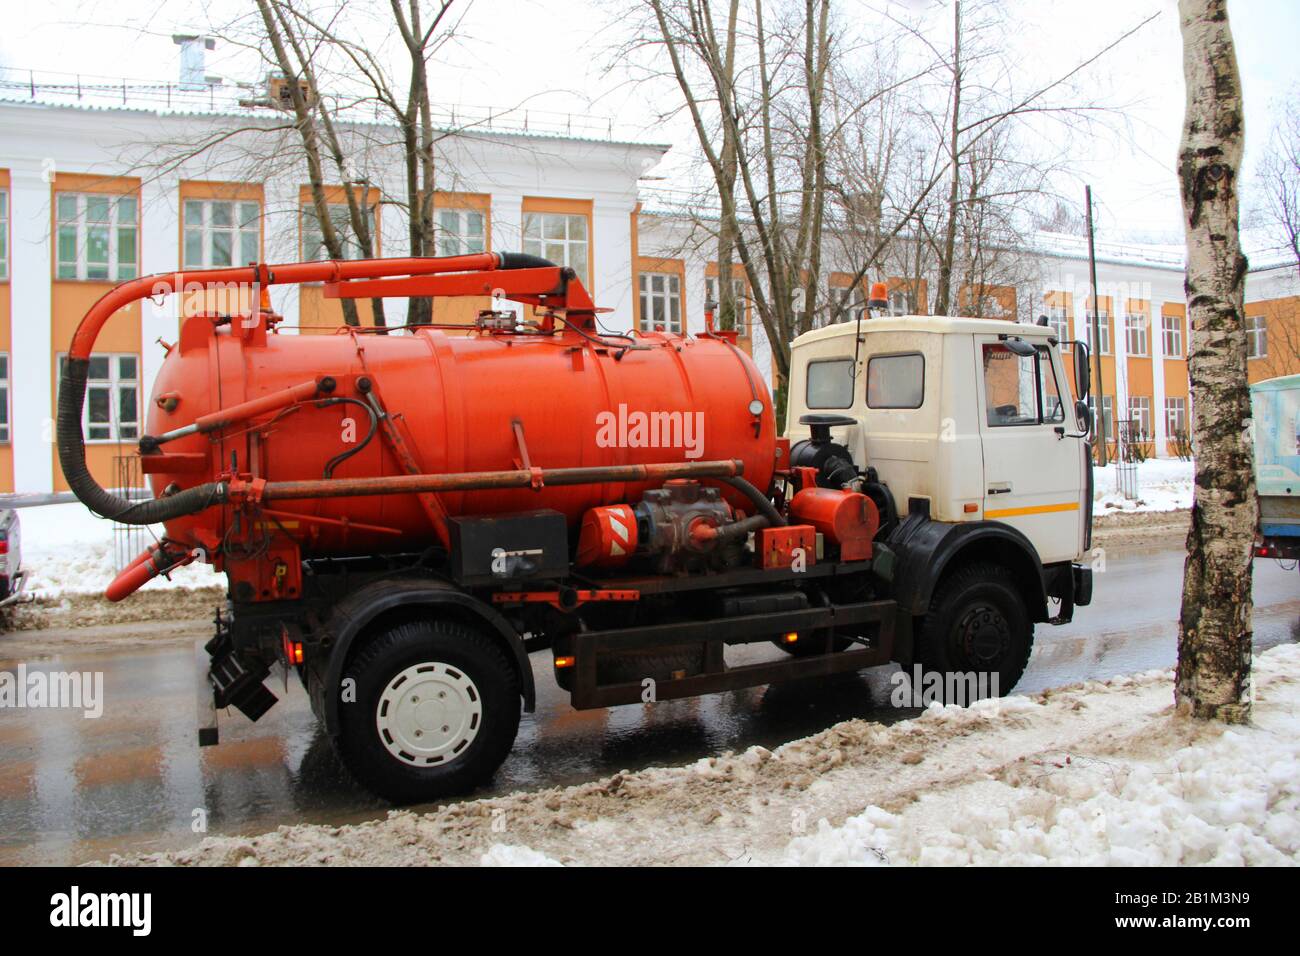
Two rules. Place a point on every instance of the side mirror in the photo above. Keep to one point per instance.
(1083, 415)
(1017, 345)
(1082, 370)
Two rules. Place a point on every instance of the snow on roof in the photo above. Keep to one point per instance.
(215, 100)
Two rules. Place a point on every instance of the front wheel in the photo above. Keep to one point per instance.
(975, 640)
(436, 711)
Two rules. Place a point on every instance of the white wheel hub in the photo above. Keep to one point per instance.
(428, 714)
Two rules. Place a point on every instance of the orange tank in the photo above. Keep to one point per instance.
(454, 401)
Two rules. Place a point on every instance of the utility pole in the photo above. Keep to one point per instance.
(1096, 333)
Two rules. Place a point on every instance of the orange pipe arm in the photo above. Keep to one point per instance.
(334, 270)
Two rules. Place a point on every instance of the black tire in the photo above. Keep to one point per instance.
(977, 626)
(493, 694)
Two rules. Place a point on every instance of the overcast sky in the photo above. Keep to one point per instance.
(555, 53)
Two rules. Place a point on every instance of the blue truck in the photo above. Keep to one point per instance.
(1275, 409)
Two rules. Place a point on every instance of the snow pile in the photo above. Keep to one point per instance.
(1230, 801)
(68, 550)
(1101, 772)
(1163, 484)
(502, 855)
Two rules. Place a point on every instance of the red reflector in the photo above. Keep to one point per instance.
(4, 547)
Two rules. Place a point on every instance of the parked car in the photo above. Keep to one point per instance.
(11, 558)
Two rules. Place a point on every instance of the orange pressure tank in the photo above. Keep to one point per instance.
(455, 401)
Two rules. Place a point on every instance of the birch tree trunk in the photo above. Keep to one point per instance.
(1214, 634)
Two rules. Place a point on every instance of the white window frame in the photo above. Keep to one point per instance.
(1108, 415)
(239, 229)
(115, 384)
(1256, 336)
(1139, 411)
(1058, 318)
(536, 243)
(460, 239)
(742, 298)
(78, 223)
(1105, 323)
(1135, 330)
(5, 408)
(4, 235)
(668, 295)
(312, 239)
(1171, 327)
(1175, 417)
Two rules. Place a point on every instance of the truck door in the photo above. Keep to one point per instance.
(1033, 468)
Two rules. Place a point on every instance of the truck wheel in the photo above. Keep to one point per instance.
(436, 711)
(976, 637)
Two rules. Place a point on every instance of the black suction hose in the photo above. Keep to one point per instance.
(760, 500)
(72, 458)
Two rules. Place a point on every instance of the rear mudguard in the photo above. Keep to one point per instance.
(350, 617)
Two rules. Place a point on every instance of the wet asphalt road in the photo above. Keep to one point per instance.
(75, 789)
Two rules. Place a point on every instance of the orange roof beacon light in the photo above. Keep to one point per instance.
(879, 299)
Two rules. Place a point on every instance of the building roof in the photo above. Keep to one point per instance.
(51, 90)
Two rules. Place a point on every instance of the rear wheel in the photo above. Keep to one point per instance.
(435, 713)
(976, 638)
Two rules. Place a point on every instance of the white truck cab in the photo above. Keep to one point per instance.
(966, 432)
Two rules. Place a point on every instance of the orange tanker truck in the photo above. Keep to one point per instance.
(405, 515)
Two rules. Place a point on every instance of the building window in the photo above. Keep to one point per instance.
(1139, 414)
(560, 238)
(1104, 318)
(661, 302)
(1059, 320)
(313, 243)
(1135, 323)
(1172, 325)
(900, 302)
(1108, 415)
(741, 292)
(4, 398)
(1256, 336)
(1176, 417)
(221, 233)
(112, 410)
(4, 234)
(463, 232)
(97, 236)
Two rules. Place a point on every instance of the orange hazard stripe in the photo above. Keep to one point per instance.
(1034, 510)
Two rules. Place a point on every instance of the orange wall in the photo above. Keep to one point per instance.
(70, 299)
(1140, 377)
(1282, 346)
(7, 448)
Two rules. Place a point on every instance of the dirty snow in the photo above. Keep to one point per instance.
(1100, 772)
(67, 550)
(1163, 484)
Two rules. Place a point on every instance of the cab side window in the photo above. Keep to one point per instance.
(830, 384)
(896, 381)
(1020, 389)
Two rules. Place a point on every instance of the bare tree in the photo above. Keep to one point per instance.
(1214, 631)
(1279, 176)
